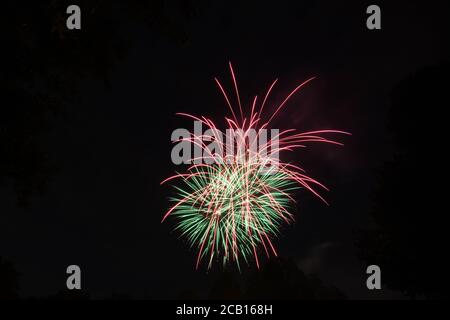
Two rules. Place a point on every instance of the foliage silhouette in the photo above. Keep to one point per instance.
(9, 280)
(408, 240)
(46, 64)
(278, 278)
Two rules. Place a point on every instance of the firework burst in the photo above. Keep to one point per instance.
(231, 206)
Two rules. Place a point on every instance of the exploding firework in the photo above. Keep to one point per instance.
(231, 206)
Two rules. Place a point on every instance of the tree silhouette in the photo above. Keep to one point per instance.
(225, 287)
(9, 280)
(408, 240)
(278, 278)
(45, 65)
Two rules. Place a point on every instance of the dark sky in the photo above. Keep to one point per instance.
(103, 207)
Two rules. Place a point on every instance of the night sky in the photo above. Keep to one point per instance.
(110, 143)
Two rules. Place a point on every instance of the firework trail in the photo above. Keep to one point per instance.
(231, 206)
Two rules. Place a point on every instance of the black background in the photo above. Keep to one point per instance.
(87, 115)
